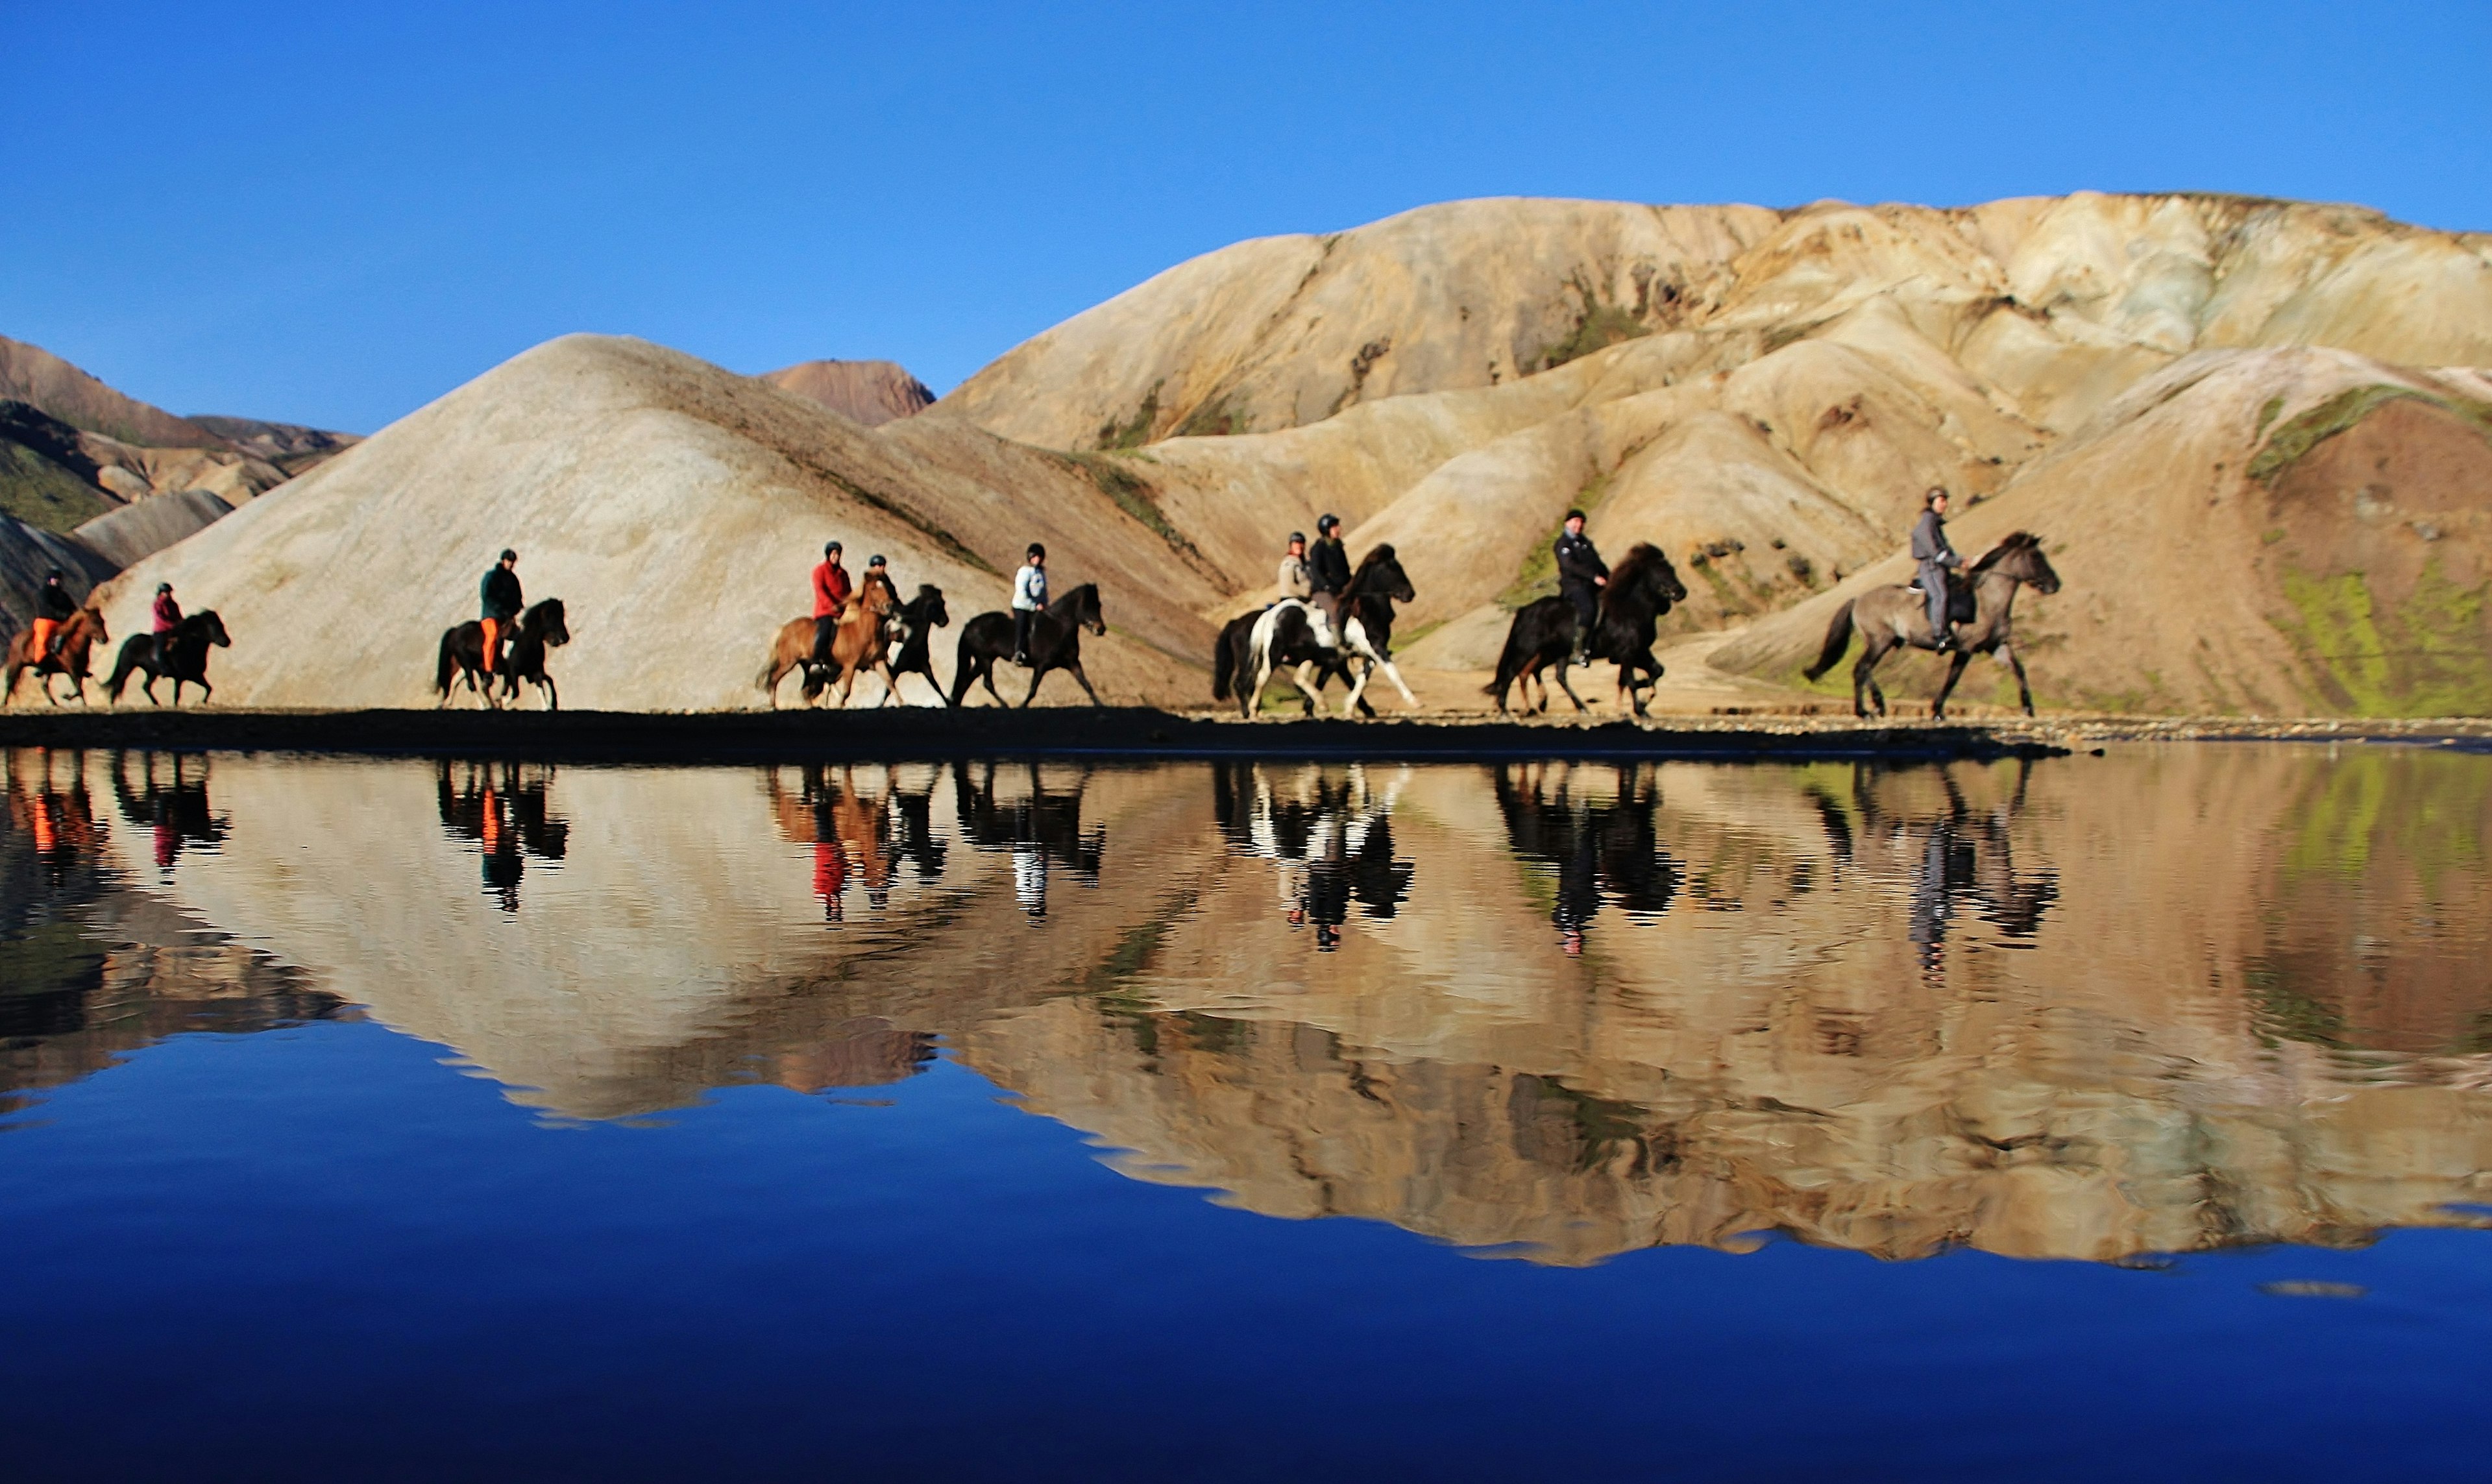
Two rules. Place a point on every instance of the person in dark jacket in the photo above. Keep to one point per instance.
(498, 598)
(1581, 576)
(1933, 556)
(1328, 570)
(53, 608)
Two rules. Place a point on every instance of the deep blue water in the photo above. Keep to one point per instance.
(329, 1248)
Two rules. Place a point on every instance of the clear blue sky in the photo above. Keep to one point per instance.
(326, 212)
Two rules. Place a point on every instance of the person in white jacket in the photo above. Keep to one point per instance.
(1028, 599)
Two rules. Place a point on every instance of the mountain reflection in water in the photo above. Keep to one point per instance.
(2166, 1000)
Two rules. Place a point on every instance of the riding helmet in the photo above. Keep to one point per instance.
(1325, 522)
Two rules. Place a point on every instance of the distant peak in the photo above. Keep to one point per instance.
(868, 392)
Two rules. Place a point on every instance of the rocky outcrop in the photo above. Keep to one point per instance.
(868, 392)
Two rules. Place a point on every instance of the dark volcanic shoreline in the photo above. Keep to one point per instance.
(919, 732)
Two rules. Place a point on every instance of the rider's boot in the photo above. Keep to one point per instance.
(1583, 643)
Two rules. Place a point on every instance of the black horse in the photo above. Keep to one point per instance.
(185, 657)
(1638, 592)
(462, 656)
(914, 626)
(1055, 643)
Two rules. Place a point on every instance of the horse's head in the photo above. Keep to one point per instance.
(2020, 557)
(875, 599)
(545, 620)
(212, 627)
(1085, 609)
(91, 619)
(929, 604)
(1646, 573)
(1381, 575)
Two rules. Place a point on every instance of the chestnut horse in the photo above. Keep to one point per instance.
(859, 635)
(77, 634)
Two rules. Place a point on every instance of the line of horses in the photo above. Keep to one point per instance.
(876, 633)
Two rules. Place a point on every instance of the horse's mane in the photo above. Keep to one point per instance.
(1072, 593)
(2015, 541)
(1641, 555)
(1381, 554)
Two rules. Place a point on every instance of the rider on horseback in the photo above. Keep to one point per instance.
(1028, 599)
(500, 601)
(1934, 556)
(165, 616)
(1581, 576)
(53, 608)
(831, 592)
(1327, 574)
(1296, 581)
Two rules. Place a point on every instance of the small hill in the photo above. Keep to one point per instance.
(290, 446)
(677, 509)
(868, 392)
(34, 375)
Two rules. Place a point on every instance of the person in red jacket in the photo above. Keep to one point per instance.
(831, 592)
(167, 616)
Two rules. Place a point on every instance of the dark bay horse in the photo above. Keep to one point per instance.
(186, 656)
(1638, 592)
(462, 656)
(1055, 643)
(1896, 615)
(78, 634)
(914, 630)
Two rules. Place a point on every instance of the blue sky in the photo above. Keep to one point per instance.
(334, 213)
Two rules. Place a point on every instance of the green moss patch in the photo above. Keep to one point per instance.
(1598, 325)
(42, 494)
(2295, 437)
(1136, 431)
(2424, 657)
(1134, 496)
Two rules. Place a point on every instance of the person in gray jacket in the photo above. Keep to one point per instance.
(1933, 556)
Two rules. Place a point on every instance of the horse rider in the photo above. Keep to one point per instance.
(832, 590)
(878, 571)
(498, 598)
(1296, 581)
(53, 608)
(1028, 599)
(1931, 556)
(1581, 576)
(165, 617)
(1329, 571)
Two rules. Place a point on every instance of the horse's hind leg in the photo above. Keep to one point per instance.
(1860, 681)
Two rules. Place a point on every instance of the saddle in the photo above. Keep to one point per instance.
(1960, 598)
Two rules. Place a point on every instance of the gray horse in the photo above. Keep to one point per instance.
(1892, 617)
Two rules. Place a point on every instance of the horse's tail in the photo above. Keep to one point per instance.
(1223, 666)
(1838, 638)
(449, 660)
(1510, 662)
(120, 679)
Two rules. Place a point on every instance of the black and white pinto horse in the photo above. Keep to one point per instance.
(463, 657)
(1292, 635)
(185, 657)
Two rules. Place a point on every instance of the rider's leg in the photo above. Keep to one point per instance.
(1021, 634)
(1934, 581)
(1588, 611)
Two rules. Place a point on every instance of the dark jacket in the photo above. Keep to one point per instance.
(1578, 565)
(1930, 544)
(500, 593)
(55, 602)
(1329, 567)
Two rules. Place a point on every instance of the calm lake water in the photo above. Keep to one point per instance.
(2095, 1117)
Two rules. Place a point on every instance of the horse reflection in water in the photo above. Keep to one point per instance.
(51, 819)
(1331, 834)
(1040, 828)
(501, 805)
(863, 825)
(1598, 831)
(1953, 857)
(169, 800)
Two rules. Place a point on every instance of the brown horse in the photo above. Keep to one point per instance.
(1895, 616)
(77, 634)
(860, 634)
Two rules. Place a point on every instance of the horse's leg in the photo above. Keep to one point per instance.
(1567, 683)
(986, 673)
(1037, 674)
(1075, 667)
(2024, 692)
(1358, 687)
(1869, 653)
(205, 690)
(1955, 672)
(1393, 673)
(1299, 676)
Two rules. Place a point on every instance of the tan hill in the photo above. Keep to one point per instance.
(868, 392)
(1765, 394)
(290, 446)
(677, 510)
(34, 375)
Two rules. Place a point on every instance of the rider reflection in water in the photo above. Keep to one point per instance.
(1039, 831)
(502, 810)
(1330, 837)
(1595, 847)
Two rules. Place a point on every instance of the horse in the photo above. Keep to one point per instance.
(1289, 636)
(858, 634)
(462, 656)
(1896, 615)
(77, 634)
(1055, 643)
(1367, 628)
(1638, 593)
(185, 657)
(914, 628)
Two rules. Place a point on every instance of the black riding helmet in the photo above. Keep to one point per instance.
(1325, 522)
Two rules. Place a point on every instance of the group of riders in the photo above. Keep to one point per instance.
(1317, 577)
